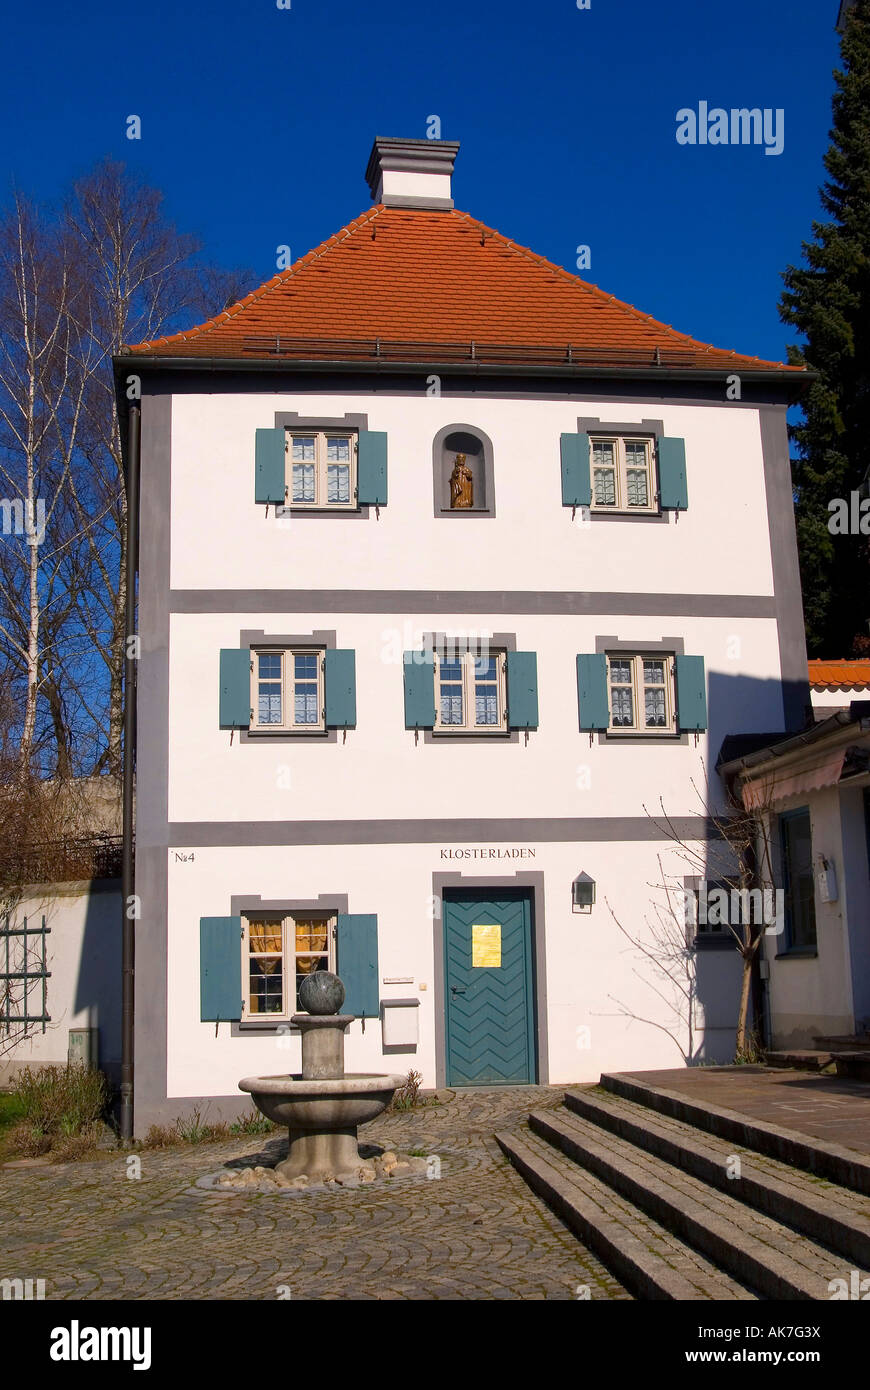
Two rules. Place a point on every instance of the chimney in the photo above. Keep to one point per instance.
(411, 173)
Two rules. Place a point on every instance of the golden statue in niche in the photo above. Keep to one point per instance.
(461, 485)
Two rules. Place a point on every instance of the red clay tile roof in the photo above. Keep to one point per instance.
(419, 285)
(842, 674)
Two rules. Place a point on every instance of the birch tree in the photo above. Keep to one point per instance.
(111, 269)
(143, 282)
(35, 294)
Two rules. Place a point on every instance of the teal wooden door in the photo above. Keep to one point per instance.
(490, 1035)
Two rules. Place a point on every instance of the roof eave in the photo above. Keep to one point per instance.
(857, 716)
(471, 368)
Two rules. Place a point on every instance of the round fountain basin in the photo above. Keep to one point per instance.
(324, 1104)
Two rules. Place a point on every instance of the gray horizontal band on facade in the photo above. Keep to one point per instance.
(559, 604)
(450, 833)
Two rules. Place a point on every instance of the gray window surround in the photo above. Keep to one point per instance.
(321, 641)
(533, 884)
(501, 641)
(440, 475)
(286, 419)
(667, 646)
(589, 424)
(241, 905)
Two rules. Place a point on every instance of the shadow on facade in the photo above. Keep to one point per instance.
(97, 995)
(745, 713)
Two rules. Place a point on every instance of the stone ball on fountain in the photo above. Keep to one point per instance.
(321, 993)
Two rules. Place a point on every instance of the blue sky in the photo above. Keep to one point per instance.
(257, 125)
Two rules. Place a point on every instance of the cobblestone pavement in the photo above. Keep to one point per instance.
(477, 1232)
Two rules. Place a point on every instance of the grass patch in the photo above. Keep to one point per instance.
(11, 1110)
(253, 1124)
(407, 1096)
(56, 1110)
(195, 1129)
(752, 1054)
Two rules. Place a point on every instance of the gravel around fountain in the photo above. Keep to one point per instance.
(382, 1167)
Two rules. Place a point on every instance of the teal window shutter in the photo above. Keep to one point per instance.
(357, 963)
(269, 468)
(691, 692)
(522, 690)
(220, 969)
(576, 474)
(339, 677)
(592, 691)
(673, 488)
(419, 690)
(371, 468)
(235, 688)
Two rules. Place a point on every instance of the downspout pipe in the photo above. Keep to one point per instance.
(129, 912)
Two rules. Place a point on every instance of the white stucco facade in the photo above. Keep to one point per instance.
(81, 963)
(375, 814)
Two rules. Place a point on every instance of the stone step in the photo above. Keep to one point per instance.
(855, 1066)
(801, 1060)
(846, 1167)
(757, 1251)
(651, 1262)
(833, 1216)
(847, 1042)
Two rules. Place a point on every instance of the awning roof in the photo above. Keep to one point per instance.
(779, 783)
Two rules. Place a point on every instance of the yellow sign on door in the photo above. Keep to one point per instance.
(486, 945)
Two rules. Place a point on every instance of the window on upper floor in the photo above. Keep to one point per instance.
(278, 953)
(623, 474)
(470, 692)
(641, 693)
(287, 689)
(322, 468)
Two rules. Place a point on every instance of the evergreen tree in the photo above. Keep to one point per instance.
(828, 300)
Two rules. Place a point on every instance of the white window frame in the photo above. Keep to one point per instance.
(321, 463)
(468, 658)
(288, 689)
(621, 476)
(287, 924)
(638, 685)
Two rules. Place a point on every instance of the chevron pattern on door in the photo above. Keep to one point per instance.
(490, 1023)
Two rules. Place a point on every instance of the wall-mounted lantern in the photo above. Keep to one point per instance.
(582, 893)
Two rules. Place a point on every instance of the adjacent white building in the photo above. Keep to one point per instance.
(455, 571)
(813, 792)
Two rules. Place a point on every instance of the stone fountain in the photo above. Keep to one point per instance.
(322, 1107)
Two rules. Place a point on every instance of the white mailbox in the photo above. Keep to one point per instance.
(826, 878)
(400, 1018)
